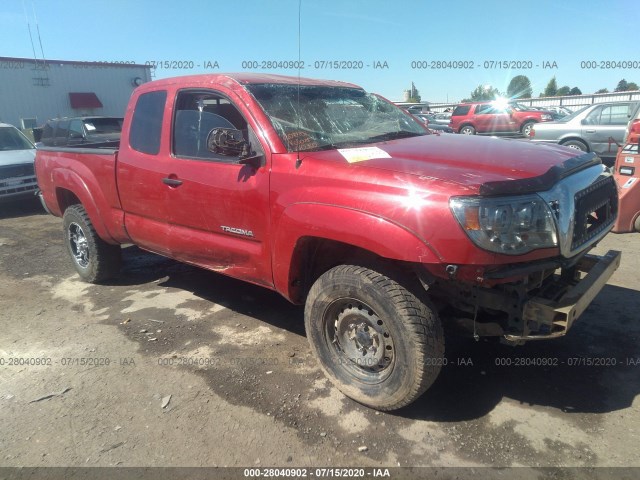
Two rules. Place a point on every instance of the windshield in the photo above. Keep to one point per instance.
(519, 107)
(572, 115)
(12, 139)
(103, 125)
(309, 118)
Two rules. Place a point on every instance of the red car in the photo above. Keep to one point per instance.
(496, 118)
(341, 201)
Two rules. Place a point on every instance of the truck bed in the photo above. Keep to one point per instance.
(90, 173)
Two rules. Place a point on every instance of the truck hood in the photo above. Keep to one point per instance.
(16, 157)
(469, 161)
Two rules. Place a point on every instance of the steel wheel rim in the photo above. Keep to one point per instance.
(466, 131)
(79, 245)
(527, 130)
(360, 339)
(575, 147)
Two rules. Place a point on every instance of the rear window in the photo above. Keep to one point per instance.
(146, 126)
(461, 110)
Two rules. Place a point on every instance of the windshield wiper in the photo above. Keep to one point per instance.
(394, 136)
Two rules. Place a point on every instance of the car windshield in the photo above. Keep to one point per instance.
(103, 125)
(573, 115)
(519, 107)
(12, 139)
(309, 118)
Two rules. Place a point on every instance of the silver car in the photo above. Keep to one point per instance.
(17, 153)
(594, 128)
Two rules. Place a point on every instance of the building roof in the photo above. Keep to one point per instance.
(71, 62)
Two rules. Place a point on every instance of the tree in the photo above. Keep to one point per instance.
(562, 91)
(603, 90)
(575, 91)
(632, 86)
(552, 88)
(482, 93)
(623, 86)
(414, 94)
(519, 87)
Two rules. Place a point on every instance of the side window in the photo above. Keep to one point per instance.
(593, 118)
(75, 129)
(47, 132)
(615, 115)
(197, 113)
(483, 109)
(62, 132)
(461, 110)
(146, 125)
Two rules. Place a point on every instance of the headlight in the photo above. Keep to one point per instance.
(509, 225)
(545, 117)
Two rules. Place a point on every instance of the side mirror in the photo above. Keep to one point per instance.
(226, 141)
(231, 142)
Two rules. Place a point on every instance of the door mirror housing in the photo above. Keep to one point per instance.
(226, 141)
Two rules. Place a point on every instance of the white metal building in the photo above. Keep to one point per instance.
(33, 91)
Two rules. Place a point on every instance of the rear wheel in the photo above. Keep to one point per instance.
(374, 339)
(636, 224)
(468, 130)
(94, 259)
(526, 128)
(575, 144)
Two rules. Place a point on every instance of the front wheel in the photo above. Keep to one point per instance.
(468, 130)
(375, 340)
(94, 259)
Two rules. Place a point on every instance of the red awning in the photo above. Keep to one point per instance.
(84, 100)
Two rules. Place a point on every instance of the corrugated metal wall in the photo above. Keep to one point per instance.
(30, 90)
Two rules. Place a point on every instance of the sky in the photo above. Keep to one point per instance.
(380, 45)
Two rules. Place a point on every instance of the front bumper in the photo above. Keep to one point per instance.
(555, 317)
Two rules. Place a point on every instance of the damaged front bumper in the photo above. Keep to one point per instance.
(547, 301)
(555, 317)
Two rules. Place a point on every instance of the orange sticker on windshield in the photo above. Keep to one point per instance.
(300, 140)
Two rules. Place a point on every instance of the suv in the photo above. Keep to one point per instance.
(85, 131)
(595, 128)
(494, 118)
(17, 153)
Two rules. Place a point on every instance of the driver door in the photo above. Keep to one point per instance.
(218, 209)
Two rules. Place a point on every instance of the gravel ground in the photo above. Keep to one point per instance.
(175, 366)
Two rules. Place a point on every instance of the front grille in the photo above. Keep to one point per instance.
(596, 209)
(13, 171)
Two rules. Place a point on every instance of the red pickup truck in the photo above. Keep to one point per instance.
(339, 200)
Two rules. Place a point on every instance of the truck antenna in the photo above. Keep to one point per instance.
(298, 159)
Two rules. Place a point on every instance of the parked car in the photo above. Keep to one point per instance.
(88, 131)
(17, 153)
(595, 128)
(560, 111)
(341, 201)
(432, 125)
(495, 118)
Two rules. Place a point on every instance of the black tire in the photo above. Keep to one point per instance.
(526, 127)
(636, 224)
(94, 259)
(576, 144)
(467, 130)
(351, 310)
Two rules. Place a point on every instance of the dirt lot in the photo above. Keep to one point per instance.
(244, 390)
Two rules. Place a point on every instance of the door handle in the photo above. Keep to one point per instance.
(590, 131)
(172, 182)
